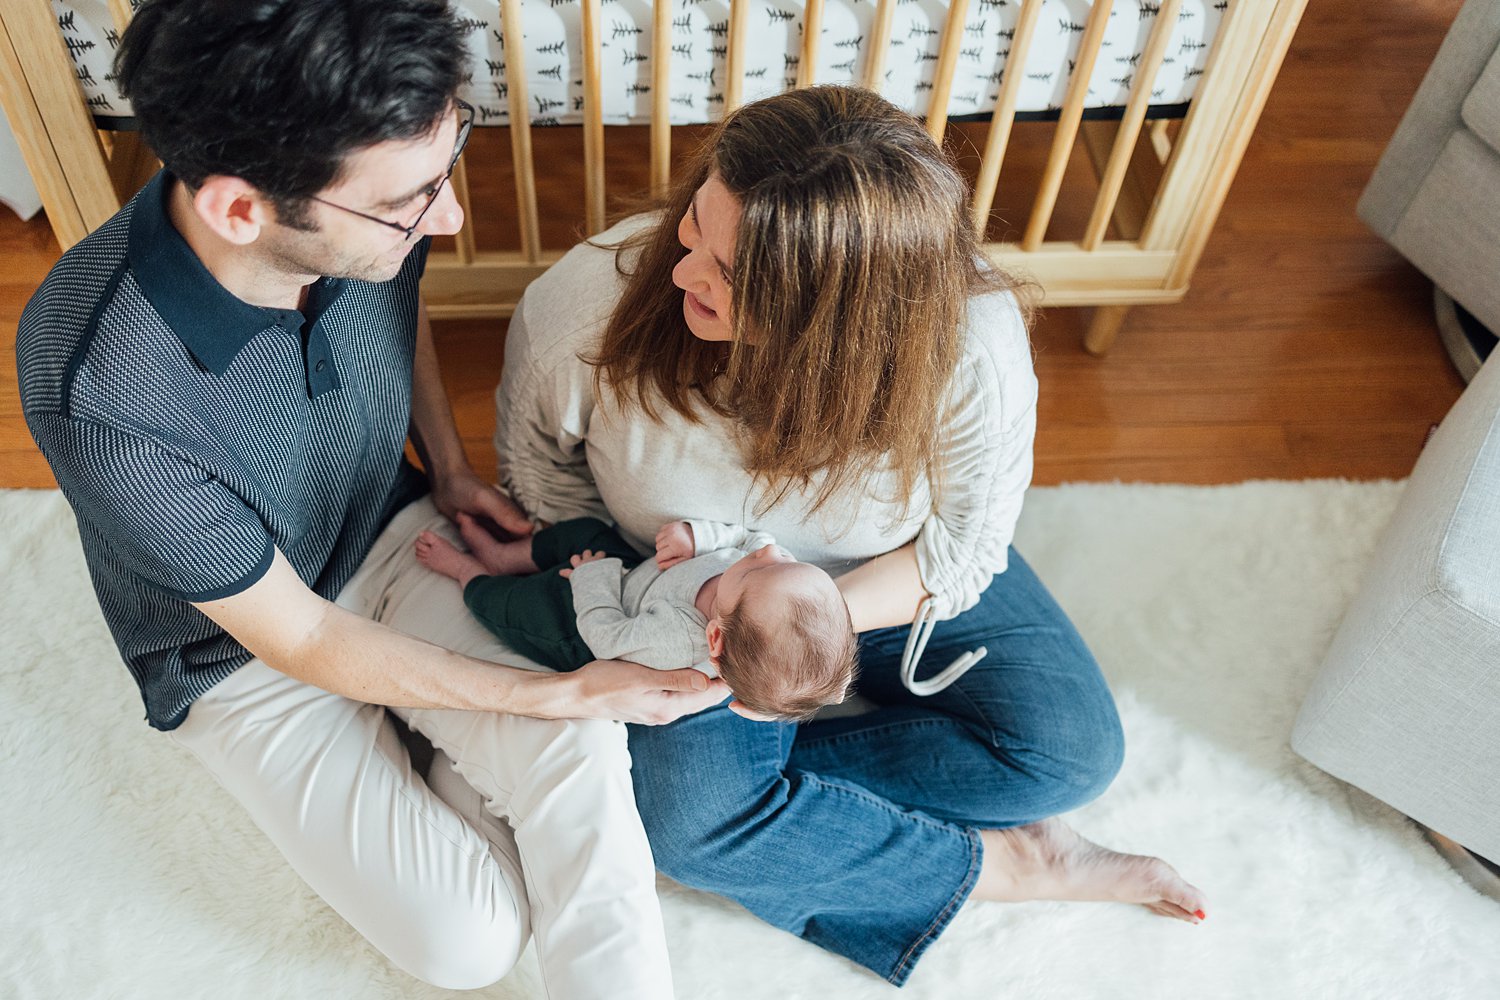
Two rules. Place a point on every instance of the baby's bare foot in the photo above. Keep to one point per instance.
(1048, 860)
(497, 557)
(439, 555)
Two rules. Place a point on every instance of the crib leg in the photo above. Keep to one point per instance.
(1103, 326)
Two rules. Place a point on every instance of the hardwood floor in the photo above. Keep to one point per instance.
(1306, 347)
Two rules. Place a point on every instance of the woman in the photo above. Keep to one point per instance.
(805, 341)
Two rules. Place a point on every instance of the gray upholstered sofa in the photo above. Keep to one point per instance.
(1435, 195)
(1407, 703)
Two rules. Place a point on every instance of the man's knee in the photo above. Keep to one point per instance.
(587, 741)
(467, 951)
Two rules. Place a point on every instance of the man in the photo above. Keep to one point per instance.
(223, 377)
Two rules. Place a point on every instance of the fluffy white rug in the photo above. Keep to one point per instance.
(127, 872)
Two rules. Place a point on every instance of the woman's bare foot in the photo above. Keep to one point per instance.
(439, 555)
(1048, 860)
(497, 557)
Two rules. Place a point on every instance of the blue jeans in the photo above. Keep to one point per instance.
(861, 834)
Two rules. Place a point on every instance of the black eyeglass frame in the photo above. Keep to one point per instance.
(465, 129)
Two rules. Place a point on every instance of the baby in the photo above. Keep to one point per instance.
(718, 597)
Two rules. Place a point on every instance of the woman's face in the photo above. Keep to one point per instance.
(708, 231)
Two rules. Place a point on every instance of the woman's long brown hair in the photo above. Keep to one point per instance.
(853, 264)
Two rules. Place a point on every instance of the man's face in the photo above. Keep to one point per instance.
(391, 181)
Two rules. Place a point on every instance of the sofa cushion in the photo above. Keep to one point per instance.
(1481, 108)
(1467, 51)
(1451, 227)
(1407, 702)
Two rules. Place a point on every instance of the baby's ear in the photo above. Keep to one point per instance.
(715, 635)
(741, 709)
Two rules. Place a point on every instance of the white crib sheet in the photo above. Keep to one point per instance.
(554, 60)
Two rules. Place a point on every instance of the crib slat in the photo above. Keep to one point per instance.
(463, 240)
(38, 78)
(880, 44)
(1161, 139)
(812, 29)
(739, 28)
(1067, 125)
(593, 119)
(942, 80)
(661, 108)
(1004, 115)
(1130, 124)
(517, 101)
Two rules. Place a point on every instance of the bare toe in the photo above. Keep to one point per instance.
(1167, 909)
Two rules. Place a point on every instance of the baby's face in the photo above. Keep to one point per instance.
(763, 565)
(771, 570)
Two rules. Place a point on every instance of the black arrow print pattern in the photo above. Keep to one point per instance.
(700, 43)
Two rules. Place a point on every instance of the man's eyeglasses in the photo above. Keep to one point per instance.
(465, 126)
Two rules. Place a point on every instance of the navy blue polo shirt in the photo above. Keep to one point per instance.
(193, 433)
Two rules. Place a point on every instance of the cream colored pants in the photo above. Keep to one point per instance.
(524, 826)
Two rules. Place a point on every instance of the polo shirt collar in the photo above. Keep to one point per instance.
(210, 321)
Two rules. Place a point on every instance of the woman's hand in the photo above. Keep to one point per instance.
(464, 492)
(674, 544)
(629, 692)
(586, 556)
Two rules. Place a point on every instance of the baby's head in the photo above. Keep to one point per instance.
(781, 636)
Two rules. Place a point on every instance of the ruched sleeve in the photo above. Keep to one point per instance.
(542, 411)
(986, 459)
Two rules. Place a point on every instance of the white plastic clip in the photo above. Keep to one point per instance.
(916, 644)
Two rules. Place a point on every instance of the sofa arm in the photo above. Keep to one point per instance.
(1434, 114)
(1407, 702)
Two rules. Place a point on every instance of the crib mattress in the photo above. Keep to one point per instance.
(700, 28)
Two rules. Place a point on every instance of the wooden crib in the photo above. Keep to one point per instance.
(1153, 189)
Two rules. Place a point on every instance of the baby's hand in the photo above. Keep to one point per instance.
(674, 544)
(587, 556)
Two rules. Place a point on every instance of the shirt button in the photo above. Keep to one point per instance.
(320, 366)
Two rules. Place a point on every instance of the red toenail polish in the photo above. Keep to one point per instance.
(1200, 914)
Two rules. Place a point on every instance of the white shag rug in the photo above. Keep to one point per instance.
(126, 872)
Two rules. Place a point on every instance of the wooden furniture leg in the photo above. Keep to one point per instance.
(1104, 325)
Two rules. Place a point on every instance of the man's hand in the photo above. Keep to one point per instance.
(629, 692)
(465, 492)
(674, 544)
(586, 556)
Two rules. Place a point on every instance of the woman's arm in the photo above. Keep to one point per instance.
(986, 461)
(985, 458)
(884, 591)
(542, 410)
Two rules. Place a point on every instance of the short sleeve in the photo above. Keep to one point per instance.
(170, 523)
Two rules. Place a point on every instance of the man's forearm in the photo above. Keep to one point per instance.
(433, 431)
(361, 659)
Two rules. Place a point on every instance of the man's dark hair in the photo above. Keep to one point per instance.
(278, 92)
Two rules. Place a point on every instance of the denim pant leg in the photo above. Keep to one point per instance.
(1029, 732)
(817, 856)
